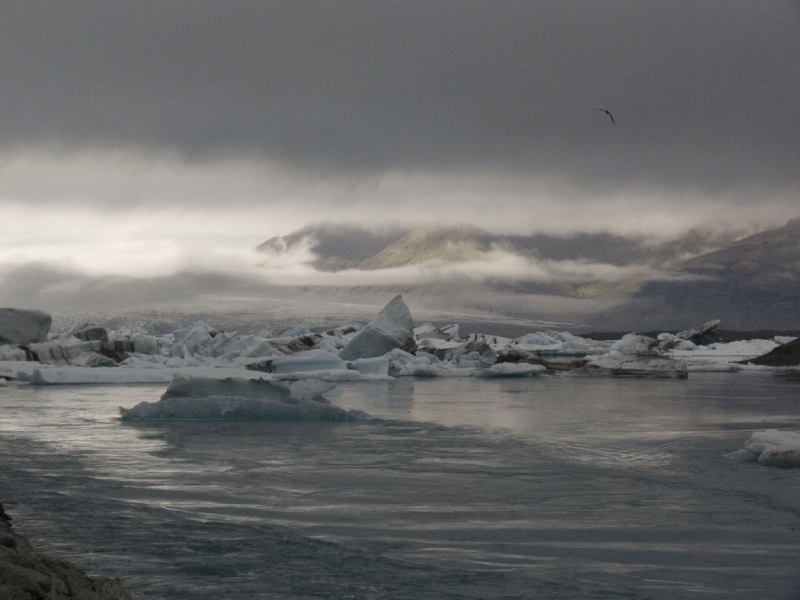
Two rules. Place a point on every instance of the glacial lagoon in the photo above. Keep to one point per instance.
(549, 487)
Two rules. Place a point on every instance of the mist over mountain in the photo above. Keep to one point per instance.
(328, 275)
(766, 257)
(337, 247)
(752, 283)
(599, 280)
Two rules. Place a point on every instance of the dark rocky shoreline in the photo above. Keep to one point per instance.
(26, 574)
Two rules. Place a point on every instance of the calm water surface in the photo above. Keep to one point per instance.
(553, 487)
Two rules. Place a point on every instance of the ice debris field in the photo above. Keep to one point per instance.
(213, 374)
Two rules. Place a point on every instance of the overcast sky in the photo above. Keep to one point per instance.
(138, 137)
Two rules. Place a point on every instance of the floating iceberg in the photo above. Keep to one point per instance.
(309, 360)
(233, 408)
(625, 365)
(371, 366)
(19, 327)
(555, 343)
(509, 369)
(241, 400)
(634, 344)
(718, 356)
(122, 375)
(77, 353)
(9, 353)
(702, 335)
(433, 370)
(392, 328)
(100, 375)
(775, 448)
(90, 332)
(429, 332)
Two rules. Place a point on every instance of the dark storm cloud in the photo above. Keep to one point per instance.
(704, 93)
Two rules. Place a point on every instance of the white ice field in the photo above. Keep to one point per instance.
(219, 364)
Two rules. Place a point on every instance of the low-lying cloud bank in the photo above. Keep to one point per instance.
(128, 213)
(99, 199)
(175, 273)
(496, 265)
(296, 289)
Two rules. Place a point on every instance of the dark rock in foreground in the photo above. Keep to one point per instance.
(787, 355)
(25, 574)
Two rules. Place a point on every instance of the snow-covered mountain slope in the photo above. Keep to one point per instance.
(334, 247)
(339, 247)
(431, 246)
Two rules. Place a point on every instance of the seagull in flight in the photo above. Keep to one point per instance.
(608, 112)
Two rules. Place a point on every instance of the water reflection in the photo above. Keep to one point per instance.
(619, 483)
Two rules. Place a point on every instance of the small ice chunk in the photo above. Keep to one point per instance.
(310, 389)
(537, 338)
(106, 375)
(145, 344)
(775, 448)
(122, 375)
(634, 344)
(371, 366)
(12, 353)
(511, 370)
(310, 360)
(438, 370)
(618, 364)
(89, 332)
(430, 332)
(295, 332)
(82, 354)
(431, 358)
(192, 340)
(233, 346)
(437, 344)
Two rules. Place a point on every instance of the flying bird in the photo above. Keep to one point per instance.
(608, 112)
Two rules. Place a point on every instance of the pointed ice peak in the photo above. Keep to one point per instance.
(392, 328)
(394, 316)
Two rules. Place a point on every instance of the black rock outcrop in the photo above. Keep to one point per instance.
(785, 355)
(25, 574)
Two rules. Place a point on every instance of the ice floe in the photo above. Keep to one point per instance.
(241, 399)
(631, 365)
(775, 448)
(718, 356)
(511, 370)
(309, 360)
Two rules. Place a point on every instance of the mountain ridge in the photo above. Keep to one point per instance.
(339, 247)
(751, 282)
